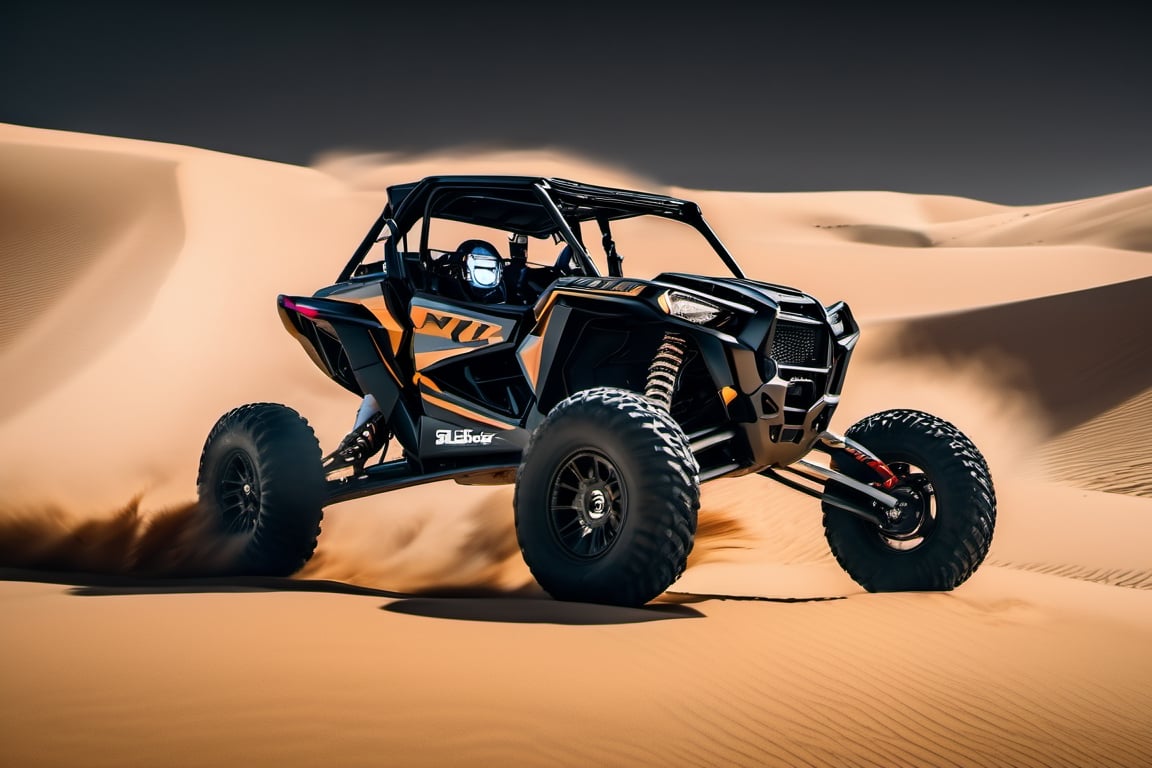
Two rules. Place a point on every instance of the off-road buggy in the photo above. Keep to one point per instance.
(607, 399)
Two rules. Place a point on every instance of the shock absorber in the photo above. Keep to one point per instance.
(665, 369)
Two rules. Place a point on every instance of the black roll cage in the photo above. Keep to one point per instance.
(565, 205)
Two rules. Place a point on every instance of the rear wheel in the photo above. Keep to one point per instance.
(606, 499)
(943, 525)
(260, 479)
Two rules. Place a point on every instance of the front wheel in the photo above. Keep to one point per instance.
(946, 515)
(606, 499)
(261, 480)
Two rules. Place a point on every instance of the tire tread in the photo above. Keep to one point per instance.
(286, 454)
(966, 508)
(669, 490)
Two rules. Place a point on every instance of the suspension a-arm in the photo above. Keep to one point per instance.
(860, 489)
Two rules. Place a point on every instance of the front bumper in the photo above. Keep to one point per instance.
(800, 369)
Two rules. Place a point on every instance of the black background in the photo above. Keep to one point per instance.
(1012, 103)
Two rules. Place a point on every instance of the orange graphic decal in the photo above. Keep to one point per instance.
(447, 325)
(529, 354)
(467, 413)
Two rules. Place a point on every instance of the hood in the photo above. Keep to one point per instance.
(779, 298)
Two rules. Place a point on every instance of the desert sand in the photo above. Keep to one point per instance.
(138, 286)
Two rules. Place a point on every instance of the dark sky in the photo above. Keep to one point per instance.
(1014, 103)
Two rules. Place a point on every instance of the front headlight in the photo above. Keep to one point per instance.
(689, 308)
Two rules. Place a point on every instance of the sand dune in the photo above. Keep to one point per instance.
(140, 280)
(1109, 452)
(68, 245)
(1121, 221)
(1076, 355)
(880, 251)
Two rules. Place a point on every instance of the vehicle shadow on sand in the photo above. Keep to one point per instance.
(518, 608)
(512, 609)
(463, 605)
(531, 607)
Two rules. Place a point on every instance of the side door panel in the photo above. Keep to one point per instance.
(458, 350)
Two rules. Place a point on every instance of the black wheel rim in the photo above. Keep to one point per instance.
(238, 493)
(588, 504)
(916, 511)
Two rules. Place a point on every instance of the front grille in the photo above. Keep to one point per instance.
(796, 344)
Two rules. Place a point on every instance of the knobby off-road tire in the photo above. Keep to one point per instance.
(260, 479)
(606, 499)
(939, 465)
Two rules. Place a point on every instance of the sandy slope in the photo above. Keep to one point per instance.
(1015, 669)
(139, 280)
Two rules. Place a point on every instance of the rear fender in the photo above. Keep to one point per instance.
(344, 340)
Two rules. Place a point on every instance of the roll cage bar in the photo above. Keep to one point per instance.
(541, 207)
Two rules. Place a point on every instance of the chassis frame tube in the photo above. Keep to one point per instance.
(401, 473)
(816, 473)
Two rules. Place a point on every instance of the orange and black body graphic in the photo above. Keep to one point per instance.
(463, 382)
(437, 365)
(442, 332)
(457, 378)
(438, 369)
